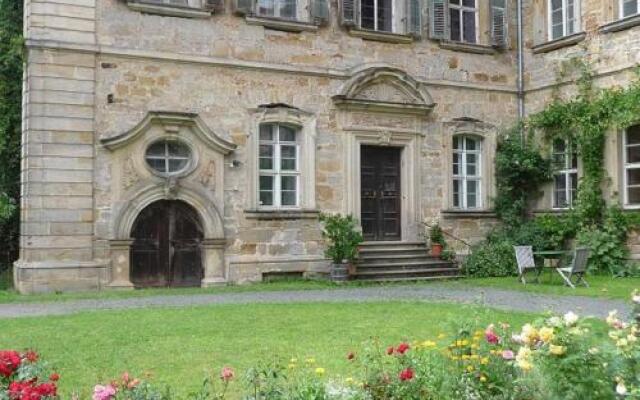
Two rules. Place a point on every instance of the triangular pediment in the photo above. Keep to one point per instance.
(385, 92)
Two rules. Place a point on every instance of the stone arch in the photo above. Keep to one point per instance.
(384, 88)
(210, 216)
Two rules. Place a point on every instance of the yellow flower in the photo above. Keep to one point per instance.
(546, 334)
(320, 371)
(470, 368)
(483, 378)
(428, 344)
(465, 357)
(465, 342)
(484, 361)
(622, 343)
(455, 358)
(349, 380)
(525, 365)
(557, 350)
(311, 360)
(529, 334)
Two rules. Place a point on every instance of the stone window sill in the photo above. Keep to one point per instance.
(455, 214)
(281, 24)
(281, 214)
(559, 43)
(169, 11)
(467, 47)
(387, 37)
(622, 24)
(552, 211)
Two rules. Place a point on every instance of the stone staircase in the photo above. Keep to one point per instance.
(401, 261)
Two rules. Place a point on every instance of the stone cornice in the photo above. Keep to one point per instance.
(170, 11)
(333, 73)
(281, 25)
(565, 41)
(387, 37)
(621, 24)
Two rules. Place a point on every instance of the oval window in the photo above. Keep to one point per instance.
(168, 157)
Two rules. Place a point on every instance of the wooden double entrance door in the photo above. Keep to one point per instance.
(380, 193)
(166, 251)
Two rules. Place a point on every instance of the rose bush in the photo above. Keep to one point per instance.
(24, 377)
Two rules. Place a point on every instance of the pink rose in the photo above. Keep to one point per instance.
(100, 392)
(491, 337)
(508, 355)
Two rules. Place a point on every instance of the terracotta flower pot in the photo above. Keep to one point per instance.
(436, 249)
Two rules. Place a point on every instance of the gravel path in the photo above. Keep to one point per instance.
(491, 297)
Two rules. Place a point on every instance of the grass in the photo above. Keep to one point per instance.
(177, 346)
(600, 286)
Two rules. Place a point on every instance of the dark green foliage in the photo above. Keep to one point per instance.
(436, 236)
(343, 236)
(10, 126)
(495, 257)
(520, 170)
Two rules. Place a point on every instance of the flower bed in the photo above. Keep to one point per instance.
(555, 357)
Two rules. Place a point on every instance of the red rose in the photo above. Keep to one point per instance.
(227, 374)
(31, 356)
(402, 348)
(390, 350)
(351, 356)
(47, 389)
(491, 337)
(9, 362)
(54, 377)
(406, 375)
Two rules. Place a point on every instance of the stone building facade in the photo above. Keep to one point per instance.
(194, 142)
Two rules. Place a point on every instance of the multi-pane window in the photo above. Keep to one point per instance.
(467, 172)
(564, 18)
(168, 157)
(565, 176)
(376, 15)
(631, 157)
(629, 8)
(279, 166)
(285, 9)
(463, 16)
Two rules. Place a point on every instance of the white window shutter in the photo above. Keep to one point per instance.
(414, 18)
(214, 5)
(439, 19)
(320, 11)
(349, 12)
(499, 26)
(243, 7)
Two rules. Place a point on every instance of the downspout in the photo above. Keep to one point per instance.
(520, 46)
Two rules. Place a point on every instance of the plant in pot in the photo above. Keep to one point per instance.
(343, 238)
(436, 237)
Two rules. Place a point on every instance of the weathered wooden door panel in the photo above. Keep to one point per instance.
(380, 193)
(166, 249)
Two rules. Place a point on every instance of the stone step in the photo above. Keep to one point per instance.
(451, 273)
(391, 243)
(414, 278)
(392, 249)
(407, 271)
(365, 258)
(403, 263)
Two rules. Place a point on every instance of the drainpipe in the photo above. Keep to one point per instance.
(520, 62)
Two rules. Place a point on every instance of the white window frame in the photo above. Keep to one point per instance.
(461, 9)
(577, 17)
(394, 12)
(566, 171)
(621, 6)
(167, 3)
(276, 172)
(276, 11)
(626, 166)
(462, 172)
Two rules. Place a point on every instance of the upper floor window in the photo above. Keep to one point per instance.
(168, 157)
(463, 20)
(629, 8)
(631, 166)
(377, 15)
(285, 9)
(565, 176)
(176, 3)
(564, 18)
(279, 166)
(467, 175)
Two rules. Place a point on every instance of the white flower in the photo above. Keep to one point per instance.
(570, 319)
(555, 321)
(621, 389)
(636, 298)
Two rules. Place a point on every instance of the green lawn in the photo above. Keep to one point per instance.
(177, 346)
(600, 286)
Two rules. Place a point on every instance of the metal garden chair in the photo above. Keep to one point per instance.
(576, 269)
(524, 257)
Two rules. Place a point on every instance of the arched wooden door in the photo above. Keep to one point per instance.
(166, 249)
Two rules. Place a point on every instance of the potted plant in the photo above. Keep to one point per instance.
(436, 237)
(343, 237)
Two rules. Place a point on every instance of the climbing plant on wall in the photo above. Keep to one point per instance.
(10, 120)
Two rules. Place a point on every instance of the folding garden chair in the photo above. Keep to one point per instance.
(524, 257)
(577, 268)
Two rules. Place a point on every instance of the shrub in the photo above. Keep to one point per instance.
(494, 257)
(343, 236)
(24, 376)
(436, 236)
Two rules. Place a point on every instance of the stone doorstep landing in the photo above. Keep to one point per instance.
(401, 261)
